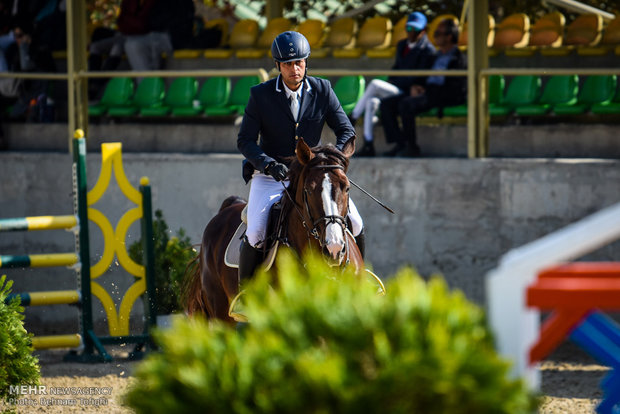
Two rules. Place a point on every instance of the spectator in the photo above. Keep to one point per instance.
(108, 46)
(437, 92)
(413, 52)
(169, 27)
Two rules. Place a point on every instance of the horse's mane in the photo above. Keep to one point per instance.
(322, 154)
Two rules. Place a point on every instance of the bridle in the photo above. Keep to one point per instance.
(327, 219)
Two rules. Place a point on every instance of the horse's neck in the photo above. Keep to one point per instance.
(297, 235)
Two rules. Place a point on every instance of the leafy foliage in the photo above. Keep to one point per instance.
(17, 364)
(172, 254)
(320, 341)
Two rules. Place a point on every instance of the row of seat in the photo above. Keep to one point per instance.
(550, 36)
(184, 97)
(377, 36)
(561, 95)
(524, 96)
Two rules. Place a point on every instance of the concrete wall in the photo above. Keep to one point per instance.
(588, 140)
(453, 216)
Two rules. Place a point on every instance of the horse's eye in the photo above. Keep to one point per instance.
(347, 189)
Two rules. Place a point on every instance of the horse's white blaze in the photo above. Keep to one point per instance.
(334, 237)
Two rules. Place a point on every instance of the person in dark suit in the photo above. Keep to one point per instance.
(413, 52)
(437, 92)
(278, 112)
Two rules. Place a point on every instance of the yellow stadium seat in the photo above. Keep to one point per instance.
(376, 32)
(463, 34)
(224, 27)
(512, 32)
(314, 30)
(341, 35)
(609, 41)
(398, 33)
(221, 24)
(546, 33)
(244, 35)
(432, 26)
(585, 30)
(263, 45)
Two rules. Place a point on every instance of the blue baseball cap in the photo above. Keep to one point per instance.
(417, 21)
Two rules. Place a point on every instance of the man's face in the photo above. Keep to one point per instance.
(413, 35)
(442, 36)
(293, 73)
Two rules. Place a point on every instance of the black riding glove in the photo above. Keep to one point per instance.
(277, 170)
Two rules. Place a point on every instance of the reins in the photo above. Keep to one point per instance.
(329, 219)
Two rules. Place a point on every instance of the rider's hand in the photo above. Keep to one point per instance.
(277, 170)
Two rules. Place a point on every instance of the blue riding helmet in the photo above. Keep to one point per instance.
(290, 46)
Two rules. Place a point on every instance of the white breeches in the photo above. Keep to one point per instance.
(264, 192)
(368, 104)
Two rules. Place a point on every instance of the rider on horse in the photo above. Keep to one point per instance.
(280, 111)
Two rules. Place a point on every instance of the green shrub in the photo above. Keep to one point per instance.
(324, 342)
(172, 254)
(17, 364)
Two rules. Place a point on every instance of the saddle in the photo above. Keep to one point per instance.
(275, 234)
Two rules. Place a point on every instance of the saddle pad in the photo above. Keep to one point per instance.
(231, 256)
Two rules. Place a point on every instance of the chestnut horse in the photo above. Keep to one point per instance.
(317, 177)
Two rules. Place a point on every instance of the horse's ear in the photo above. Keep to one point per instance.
(349, 147)
(303, 151)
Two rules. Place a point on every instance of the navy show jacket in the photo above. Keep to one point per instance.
(269, 132)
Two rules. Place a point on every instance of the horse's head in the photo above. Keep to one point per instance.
(322, 190)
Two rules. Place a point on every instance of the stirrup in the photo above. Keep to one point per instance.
(237, 316)
(381, 290)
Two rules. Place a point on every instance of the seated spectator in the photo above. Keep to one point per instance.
(210, 37)
(105, 53)
(25, 56)
(437, 92)
(169, 26)
(413, 52)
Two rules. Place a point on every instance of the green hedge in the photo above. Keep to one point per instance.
(172, 255)
(324, 342)
(17, 364)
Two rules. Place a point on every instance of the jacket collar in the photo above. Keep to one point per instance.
(305, 97)
(280, 85)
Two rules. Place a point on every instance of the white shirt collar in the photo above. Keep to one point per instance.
(290, 93)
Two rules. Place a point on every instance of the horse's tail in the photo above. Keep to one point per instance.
(192, 296)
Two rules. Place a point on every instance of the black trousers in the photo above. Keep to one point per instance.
(407, 108)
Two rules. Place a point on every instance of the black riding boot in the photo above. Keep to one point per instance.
(249, 259)
(361, 243)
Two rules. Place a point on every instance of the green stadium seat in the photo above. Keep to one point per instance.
(180, 95)
(522, 90)
(349, 90)
(597, 89)
(149, 93)
(117, 92)
(561, 89)
(215, 92)
(238, 98)
(608, 108)
(496, 91)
